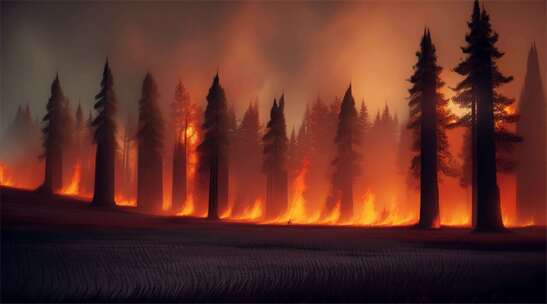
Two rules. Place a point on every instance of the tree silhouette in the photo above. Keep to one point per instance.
(105, 137)
(477, 92)
(320, 130)
(150, 148)
(429, 118)
(275, 161)
(345, 163)
(213, 148)
(531, 180)
(54, 138)
(181, 117)
(246, 157)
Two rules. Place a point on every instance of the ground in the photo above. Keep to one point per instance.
(63, 250)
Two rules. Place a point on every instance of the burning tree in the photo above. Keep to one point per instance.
(213, 148)
(531, 179)
(54, 138)
(429, 118)
(246, 157)
(345, 164)
(105, 137)
(477, 92)
(182, 114)
(275, 161)
(150, 148)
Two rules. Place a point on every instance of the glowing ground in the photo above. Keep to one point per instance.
(61, 249)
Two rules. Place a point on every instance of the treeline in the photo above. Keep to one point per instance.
(339, 141)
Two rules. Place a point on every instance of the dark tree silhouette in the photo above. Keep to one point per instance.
(321, 129)
(213, 149)
(150, 148)
(345, 163)
(181, 116)
(477, 92)
(429, 118)
(246, 157)
(531, 180)
(275, 161)
(54, 139)
(105, 138)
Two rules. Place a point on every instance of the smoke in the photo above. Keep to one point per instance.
(303, 49)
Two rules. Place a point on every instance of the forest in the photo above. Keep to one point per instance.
(483, 166)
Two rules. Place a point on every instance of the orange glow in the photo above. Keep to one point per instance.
(73, 187)
(124, 201)
(192, 141)
(5, 180)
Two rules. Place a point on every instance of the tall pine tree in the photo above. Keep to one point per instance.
(531, 175)
(429, 118)
(150, 148)
(246, 157)
(54, 139)
(275, 161)
(477, 92)
(345, 163)
(181, 117)
(105, 137)
(213, 150)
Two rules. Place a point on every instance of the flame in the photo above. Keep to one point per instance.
(73, 188)
(5, 179)
(124, 201)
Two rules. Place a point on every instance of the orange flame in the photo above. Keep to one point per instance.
(5, 179)
(73, 187)
(124, 201)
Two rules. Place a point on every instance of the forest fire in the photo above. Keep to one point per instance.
(341, 166)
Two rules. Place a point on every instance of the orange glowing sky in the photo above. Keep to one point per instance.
(303, 49)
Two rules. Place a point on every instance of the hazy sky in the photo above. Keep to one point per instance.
(303, 49)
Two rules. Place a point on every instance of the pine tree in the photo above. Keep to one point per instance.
(345, 163)
(105, 137)
(246, 157)
(275, 161)
(54, 139)
(429, 118)
(477, 92)
(531, 179)
(321, 128)
(182, 114)
(214, 147)
(150, 148)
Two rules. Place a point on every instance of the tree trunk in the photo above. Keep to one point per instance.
(213, 189)
(103, 195)
(429, 189)
(488, 200)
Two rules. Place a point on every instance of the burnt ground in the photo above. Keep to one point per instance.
(61, 249)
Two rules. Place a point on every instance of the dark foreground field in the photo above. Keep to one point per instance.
(62, 250)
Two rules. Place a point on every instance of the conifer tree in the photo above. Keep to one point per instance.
(345, 164)
(429, 118)
(182, 114)
(246, 155)
(54, 138)
(150, 148)
(477, 92)
(275, 161)
(531, 175)
(105, 138)
(321, 128)
(213, 149)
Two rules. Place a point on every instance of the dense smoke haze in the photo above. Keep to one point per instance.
(304, 49)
